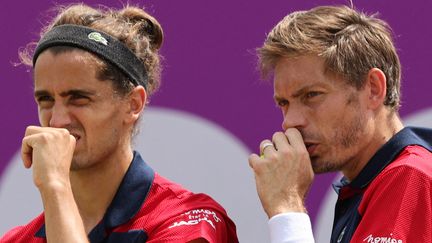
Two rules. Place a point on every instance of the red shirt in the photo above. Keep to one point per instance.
(391, 198)
(148, 208)
(397, 205)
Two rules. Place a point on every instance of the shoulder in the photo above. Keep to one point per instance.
(409, 176)
(395, 197)
(414, 163)
(25, 233)
(167, 193)
(172, 213)
(413, 157)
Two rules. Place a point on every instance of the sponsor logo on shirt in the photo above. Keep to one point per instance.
(196, 216)
(379, 239)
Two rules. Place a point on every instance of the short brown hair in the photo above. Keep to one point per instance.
(350, 42)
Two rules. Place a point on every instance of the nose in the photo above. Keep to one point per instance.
(293, 118)
(60, 116)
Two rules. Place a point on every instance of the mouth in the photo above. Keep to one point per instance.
(76, 136)
(311, 147)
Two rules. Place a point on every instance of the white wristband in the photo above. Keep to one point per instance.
(291, 228)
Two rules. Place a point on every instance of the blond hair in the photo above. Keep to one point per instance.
(350, 42)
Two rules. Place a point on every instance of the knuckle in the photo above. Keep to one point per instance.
(302, 152)
(252, 159)
(31, 127)
(285, 152)
(303, 155)
(64, 132)
(276, 135)
(272, 157)
(45, 137)
(61, 133)
(292, 132)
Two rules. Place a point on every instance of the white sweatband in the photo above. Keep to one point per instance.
(291, 228)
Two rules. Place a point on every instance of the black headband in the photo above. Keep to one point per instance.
(99, 43)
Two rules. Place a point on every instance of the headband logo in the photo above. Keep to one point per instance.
(96, 36)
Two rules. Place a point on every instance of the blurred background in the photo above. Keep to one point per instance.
(212, 109)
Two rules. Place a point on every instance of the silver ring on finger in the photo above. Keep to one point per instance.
(264, 146)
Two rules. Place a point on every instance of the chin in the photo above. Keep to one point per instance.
(320, 167)
(78, 162)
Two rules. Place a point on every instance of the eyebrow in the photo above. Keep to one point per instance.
(298, 93)
(39, 93)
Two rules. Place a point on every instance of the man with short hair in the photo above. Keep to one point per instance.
(94, 70)
(337, 83)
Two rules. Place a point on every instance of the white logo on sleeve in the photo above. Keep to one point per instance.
(196, 216)
(379, 239)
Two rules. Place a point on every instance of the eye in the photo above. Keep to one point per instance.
(44, 101)
(44, 98)
(282, 103)
(78, 99)
(312, 94)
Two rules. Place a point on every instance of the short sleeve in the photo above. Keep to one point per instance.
(397, 208)
(193, 224)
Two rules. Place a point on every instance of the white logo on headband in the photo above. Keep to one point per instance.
(96, 36)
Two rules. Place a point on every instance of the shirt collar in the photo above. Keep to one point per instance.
(388, 153)
(128, 200)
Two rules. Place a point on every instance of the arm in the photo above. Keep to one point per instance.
(49, 152)
(202, 224)
(283, 175)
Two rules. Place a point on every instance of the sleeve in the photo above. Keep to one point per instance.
(290, 228)
(205, 223)
(397, 208)
(11, 235)
(20, 234)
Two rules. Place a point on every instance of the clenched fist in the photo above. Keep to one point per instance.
(49, 152)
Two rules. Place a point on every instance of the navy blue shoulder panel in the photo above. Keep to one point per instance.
(132, 236)
(390, 150)
(131, 194)
(127, 202)
(347, 216)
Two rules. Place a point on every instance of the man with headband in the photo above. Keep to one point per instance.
(94, 71)
(337, 83)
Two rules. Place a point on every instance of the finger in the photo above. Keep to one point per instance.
(26, 152)
(253, 160)
(30, 130)
(266, 147)
(295, 138)
(281, 141)
(72, 140)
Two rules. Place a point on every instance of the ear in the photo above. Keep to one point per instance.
(376, 83)
(136, 102)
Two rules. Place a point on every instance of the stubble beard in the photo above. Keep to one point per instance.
(344, 139)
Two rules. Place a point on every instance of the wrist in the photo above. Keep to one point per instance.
(54, 187)
(290, 205)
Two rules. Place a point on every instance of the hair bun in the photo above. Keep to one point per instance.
(145, 23)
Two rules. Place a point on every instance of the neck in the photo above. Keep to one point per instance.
(376, 135)
(94, 188)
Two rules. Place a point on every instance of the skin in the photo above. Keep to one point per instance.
(328, 126)
(82, 149)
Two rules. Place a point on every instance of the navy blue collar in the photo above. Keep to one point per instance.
(388, 153)
(128, 200)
